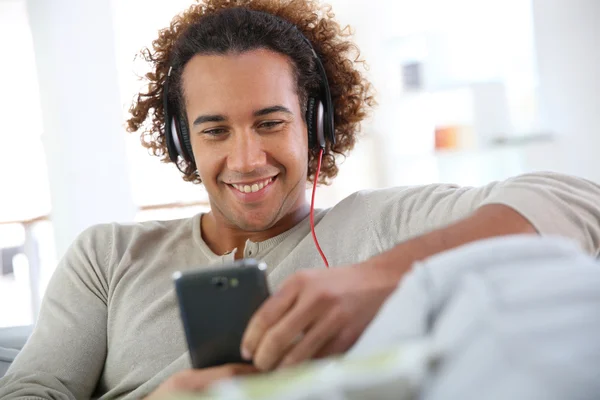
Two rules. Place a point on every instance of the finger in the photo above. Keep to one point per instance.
(278, 340)
(241, 369)
(338, 344)
(265, 317)
(315, 339)
(198, 379)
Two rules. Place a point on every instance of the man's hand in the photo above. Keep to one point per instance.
(195, 380)
(316, 313)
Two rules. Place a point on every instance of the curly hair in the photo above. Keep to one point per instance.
(202, 30)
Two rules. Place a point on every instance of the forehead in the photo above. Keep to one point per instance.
(251, 79)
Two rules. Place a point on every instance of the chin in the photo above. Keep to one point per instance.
(255, 221)
(254, 225)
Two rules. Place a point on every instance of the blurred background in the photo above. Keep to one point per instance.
(469, 91)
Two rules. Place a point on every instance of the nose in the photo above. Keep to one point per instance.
(246, 153)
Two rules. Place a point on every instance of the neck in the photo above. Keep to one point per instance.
(222, 237)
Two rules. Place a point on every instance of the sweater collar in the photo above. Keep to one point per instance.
(263, 246)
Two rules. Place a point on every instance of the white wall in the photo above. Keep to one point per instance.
(82, 130)
(22, 160)
(567, 35)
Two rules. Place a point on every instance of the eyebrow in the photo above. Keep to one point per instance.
(259, 113)
(271, 110)
(208, 118)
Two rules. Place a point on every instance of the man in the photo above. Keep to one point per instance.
(236, 80)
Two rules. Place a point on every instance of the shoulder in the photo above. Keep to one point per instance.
(381, 198)
(399, 212)
(107, 234)
(108, 244)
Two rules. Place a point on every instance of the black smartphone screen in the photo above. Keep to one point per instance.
(216, 305)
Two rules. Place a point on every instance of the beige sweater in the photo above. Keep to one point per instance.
(109, 325)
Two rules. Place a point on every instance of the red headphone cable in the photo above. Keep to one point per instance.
(312, 210)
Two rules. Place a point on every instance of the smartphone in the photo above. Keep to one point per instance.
(216, 305)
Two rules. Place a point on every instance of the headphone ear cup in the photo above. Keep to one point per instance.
(177, 137)
(311, 118)
(171, 147)
(327, 124)
(188, 153)
(320, 124)
(181, 139)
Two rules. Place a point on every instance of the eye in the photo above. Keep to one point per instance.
(215, 132)
(269, 124)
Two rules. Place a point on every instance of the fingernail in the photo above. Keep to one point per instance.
(246, 355)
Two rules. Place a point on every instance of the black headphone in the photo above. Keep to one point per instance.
(319, 118)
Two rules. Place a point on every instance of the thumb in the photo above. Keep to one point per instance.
(199, 379)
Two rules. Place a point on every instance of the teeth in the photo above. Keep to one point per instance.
(252, 188)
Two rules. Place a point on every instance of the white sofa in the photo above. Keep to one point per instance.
(11, 342)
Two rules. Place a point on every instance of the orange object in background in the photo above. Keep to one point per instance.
(446, 137)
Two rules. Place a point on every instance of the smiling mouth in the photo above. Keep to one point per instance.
(253, 187)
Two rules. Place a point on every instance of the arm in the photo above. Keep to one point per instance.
(65, 355)
(554, 204)
(487, 221)
(331, 308)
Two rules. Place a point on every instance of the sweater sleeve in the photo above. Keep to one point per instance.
(555, 204)
(65, 355)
